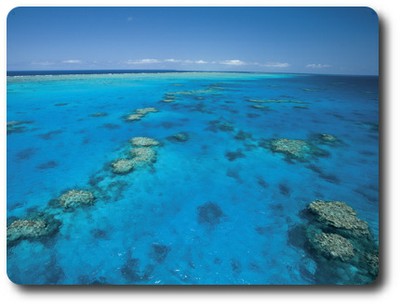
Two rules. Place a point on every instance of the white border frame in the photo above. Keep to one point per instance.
(386, 290)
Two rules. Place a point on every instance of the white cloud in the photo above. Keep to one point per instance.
(231, 62)
(143, 61)
(276, 65)
(172, 60)
(168, 60)
(318, 66)
(234, 62)
(72, 61)
(45, 63)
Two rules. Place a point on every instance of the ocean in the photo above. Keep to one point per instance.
(192, 178)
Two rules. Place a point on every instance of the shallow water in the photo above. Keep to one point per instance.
(217, 208)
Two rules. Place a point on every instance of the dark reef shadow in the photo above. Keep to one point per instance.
(25, 154)
(50, 135)
(47, 165)
(370, 290)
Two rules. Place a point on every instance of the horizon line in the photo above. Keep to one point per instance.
(177, 70)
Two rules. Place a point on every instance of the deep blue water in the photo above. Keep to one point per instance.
(152, 225)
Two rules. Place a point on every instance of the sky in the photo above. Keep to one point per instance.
(303, 40)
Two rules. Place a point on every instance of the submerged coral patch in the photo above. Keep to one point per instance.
(326, 139)
(47, 165)
(209, 213)
(284, 189)
(297, 149)
(277, 101)
(168, 98)
(159, 252)
(341, 244)
(292, 147)
(50, 135)
(146, 110)
(242, 135)
(140, 113)
(220, 125)
(111, 126)
(99, 114)
(258, 106)
(232, 155)
(75, 198)
(133, 117)
(300, 107)
(252, 115)
(18, 126)
(179, 137)
(143, 155)
(122, 166)
(333, 246)
(26, 229)
(144, 141)
(35, 228)
(331, 178)
(370, 262)
(339, 215)
(26, 154)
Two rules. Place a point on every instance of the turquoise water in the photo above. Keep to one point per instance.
(217, 207)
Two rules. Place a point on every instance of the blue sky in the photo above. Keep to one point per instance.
(310, 40)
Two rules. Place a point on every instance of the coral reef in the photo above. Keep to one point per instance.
(333, 246)
(296, 149)
(133, 117)
(17, 126)
(293, 148)
(327, 138)
(168, 98)
(179, 137)
(143, 155)
(371, 263)
(140, 113)
(75, 197)
(32, 228)
(144, 141)
(122, 166)
(146, 110)
(339, 242)
(340, 216)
